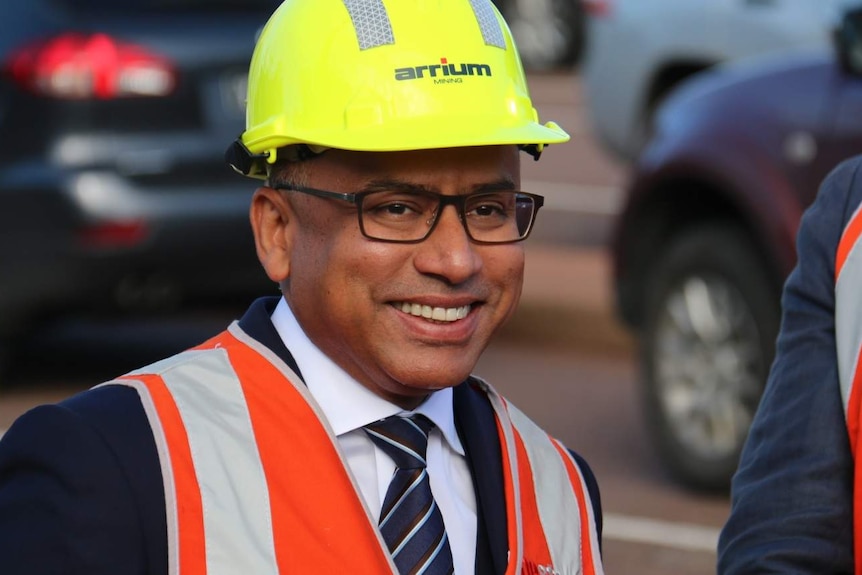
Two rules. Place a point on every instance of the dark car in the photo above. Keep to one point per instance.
(114, 119)
(707, 238)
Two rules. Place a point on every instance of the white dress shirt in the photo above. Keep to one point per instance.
(348, 405)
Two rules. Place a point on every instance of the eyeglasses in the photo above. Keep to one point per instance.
(409, 217)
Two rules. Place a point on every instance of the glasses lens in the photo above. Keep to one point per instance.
(397, 216)
(499, 217)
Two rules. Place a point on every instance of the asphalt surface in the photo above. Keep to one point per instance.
(568, 301)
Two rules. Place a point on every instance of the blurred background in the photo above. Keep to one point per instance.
(700, 132)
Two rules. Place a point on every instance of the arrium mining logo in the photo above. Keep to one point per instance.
(444, 72)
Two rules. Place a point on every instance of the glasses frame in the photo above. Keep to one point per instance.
(458, 201)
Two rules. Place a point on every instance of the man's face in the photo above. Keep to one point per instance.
(357, 299)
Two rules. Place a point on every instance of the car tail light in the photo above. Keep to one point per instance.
(75, 66)
(597, 8)
(113, 234)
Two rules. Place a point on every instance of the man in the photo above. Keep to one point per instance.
(793, 507)
(336, 429)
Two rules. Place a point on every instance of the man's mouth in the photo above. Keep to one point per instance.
(434, 313)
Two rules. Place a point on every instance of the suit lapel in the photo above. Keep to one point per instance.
(477, 428)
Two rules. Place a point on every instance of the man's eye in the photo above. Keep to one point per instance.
(487, 209)
(396, 209)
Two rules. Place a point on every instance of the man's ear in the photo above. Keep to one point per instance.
(273, 222)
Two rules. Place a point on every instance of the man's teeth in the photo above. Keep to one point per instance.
(435, 313)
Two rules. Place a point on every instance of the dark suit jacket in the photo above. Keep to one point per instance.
(81, 489)
(792, 496)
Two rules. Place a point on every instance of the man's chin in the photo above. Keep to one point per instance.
(434, 383)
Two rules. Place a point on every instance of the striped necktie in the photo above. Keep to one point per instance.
(410, 521)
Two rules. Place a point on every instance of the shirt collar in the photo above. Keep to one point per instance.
(347, 404)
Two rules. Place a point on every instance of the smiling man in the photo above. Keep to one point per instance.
(336, 428)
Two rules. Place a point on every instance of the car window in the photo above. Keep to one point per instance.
(166, 5)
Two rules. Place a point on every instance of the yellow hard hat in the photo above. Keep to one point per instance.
(386, 75)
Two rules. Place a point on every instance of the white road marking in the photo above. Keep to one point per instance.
(559, 196)
(676, 535)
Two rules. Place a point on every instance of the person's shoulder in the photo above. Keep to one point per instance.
(111, 416)
(849, 167)
(83, 474)
(841, 190)
(109, 406)
(838, 198)
(101, 436)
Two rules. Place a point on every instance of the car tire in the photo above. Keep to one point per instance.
(549, 33)
(712, 315)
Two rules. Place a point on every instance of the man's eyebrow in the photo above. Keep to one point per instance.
(380, 185)
(502, 184)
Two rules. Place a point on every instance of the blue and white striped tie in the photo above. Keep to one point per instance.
(410, 521)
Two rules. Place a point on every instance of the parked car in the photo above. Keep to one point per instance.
(707, 237)
(114, 119)
(638, 51)
(549, 33)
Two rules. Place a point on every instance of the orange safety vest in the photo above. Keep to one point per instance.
(848, 341)
(255, 482)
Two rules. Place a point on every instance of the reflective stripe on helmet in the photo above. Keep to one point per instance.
(492, 33)
(374, 29)
(371, 23)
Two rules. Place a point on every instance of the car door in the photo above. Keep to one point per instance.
(765, 26)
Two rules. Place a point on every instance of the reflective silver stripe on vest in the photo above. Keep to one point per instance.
(848, 315)
(492, 33)
(593, 533)
(512, 456)
(234, 492)
(559, 510)
(371, 23)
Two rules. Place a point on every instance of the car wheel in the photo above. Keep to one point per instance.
(548, 33)
(708, 341)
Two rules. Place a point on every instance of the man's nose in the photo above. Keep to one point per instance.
(448, 251)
